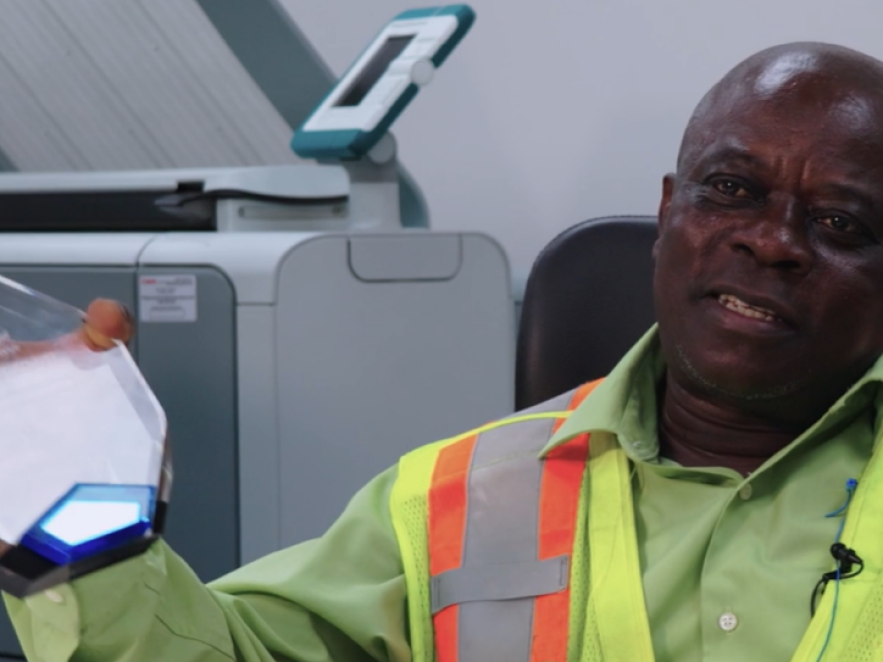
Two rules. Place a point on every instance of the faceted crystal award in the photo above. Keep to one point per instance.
(85, 471)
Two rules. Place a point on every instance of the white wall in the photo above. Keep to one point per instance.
(554, 111)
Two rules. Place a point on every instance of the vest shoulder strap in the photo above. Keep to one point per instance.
(501, 524)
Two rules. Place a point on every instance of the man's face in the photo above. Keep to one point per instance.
(769, 263)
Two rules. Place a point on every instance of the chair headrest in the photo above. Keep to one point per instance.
(588, 299)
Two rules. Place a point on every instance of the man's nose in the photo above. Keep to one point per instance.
(777, 238)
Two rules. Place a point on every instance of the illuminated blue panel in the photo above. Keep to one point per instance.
(91, 519)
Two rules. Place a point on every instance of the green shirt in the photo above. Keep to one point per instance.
(728, 563)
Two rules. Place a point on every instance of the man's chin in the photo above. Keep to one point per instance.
(733, 382)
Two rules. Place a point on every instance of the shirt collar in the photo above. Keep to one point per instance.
(624, 404)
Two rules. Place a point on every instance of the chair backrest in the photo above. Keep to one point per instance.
(588, 298)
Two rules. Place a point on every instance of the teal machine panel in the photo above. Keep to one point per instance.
(356, 114)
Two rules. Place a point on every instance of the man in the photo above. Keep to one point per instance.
(686, 507)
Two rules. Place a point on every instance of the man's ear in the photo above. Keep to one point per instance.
(668, 184)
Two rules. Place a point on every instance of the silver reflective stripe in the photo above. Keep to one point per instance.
(499, 581)
(502, 527)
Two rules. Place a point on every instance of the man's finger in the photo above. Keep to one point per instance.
(106, 322)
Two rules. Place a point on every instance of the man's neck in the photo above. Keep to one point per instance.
(698, 432)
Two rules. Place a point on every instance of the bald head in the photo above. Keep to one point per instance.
(831, 84)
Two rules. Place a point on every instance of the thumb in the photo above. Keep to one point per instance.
(106, 322)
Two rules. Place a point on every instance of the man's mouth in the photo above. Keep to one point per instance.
(736, 304)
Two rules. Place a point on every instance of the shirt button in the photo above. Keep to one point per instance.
(54, 596)
(728, 622)
(745, 492)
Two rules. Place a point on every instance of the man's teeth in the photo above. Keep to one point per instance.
(737, 305)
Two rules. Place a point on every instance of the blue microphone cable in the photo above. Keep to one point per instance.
(845, 559)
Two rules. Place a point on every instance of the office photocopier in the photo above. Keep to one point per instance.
(298, 336)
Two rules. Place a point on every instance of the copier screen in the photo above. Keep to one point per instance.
(372, 71)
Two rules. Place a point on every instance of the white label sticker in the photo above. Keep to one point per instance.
(167, 298)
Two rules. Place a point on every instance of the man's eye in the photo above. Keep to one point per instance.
(731, 188)
(840, 223)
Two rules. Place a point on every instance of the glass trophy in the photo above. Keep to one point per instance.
(85, 469)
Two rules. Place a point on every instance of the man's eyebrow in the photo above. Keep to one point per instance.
(855, 193)
(730, 153)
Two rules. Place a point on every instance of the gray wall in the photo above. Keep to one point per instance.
(556, 111)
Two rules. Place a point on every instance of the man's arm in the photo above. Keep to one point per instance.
(340, 598)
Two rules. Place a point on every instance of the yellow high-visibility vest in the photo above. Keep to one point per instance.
(512, 556)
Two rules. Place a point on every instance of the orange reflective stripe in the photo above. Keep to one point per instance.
(447, 527)
(444, 623)
(559, 504)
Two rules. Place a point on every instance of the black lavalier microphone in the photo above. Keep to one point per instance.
(847, 558)
(849, 564)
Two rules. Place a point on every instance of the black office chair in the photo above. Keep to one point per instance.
(588, 299)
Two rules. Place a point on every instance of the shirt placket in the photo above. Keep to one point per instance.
(725, 618)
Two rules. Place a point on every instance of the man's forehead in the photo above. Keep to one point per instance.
(832, 95)
(844, 123)
(804, 91)
(756, 141)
